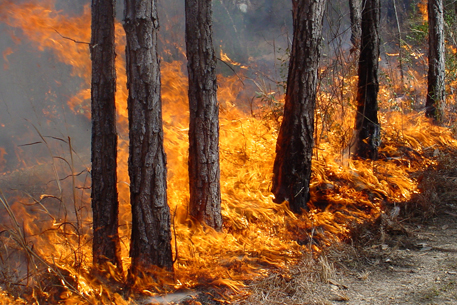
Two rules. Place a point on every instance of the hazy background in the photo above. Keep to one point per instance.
(35, 86)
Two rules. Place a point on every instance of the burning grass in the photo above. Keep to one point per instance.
(46, 253)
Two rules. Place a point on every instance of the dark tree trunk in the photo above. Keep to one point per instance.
(292, 166)
(356, 20)
(204, 170)
(105, 206)
(367, 133)
(151, 234)
(435, 96)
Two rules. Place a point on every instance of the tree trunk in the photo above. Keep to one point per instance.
(292, 166)
(356, 20)
(435, 96)
(105, 206)
(204, 170)
(151, 234)
(367, 133)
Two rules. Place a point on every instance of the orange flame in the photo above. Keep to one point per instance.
(423, 9)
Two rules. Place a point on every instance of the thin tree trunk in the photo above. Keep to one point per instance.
(105, 206)
(400, 44)
(151, 234)
(367, 133)
(292, 166)
(356, 20)
(435, 96)
(204, 170)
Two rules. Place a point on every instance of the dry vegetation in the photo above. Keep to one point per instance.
(340, 272)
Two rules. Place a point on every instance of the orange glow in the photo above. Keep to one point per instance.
(423, 9)
(6, 53)
(258, 234)
(225, 58)
(2, 158)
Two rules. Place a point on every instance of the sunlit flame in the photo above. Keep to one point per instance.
(423, 9)
(227, 59)
(258, 234)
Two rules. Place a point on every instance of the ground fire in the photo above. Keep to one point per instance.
(45, 228)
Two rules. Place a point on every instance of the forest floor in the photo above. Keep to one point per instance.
(409, 258)
(416, 267)
(416, 263)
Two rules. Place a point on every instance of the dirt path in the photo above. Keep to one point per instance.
(411, 262)
(417, 268)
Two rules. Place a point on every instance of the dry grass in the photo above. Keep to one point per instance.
(316, 280)
(44, 280)
(312, 281)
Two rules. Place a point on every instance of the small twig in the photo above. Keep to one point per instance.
(29, 144)
(233, 70)
(75, 41)
(75, 175)
(174, 233)
(53, 163)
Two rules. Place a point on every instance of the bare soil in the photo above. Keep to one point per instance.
(407, 256)
(418, 267)
(409, 261)
(392, 261)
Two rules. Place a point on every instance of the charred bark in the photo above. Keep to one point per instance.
(105, 206)
(292, 166)
(204, 170)
(367, 132)
(151, 234)
(435, 92)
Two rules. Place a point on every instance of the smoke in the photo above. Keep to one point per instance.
(34, 89)
(243, 7)
(35, 86)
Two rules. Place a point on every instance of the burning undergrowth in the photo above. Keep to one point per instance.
(46, 229)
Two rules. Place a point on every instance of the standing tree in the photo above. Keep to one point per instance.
(292, 166)
(105, 206)
(151, 233)
(367, 131)
(356, 17)
(204, 170)
(435, 92)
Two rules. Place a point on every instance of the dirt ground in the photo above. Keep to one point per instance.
(407, 256)
(419, 267)
(413, 262)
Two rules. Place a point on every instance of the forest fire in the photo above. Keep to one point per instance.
(47, 237)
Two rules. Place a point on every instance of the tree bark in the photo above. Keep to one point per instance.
(105, 206)
(435, 95)
(204, 170)
(356, 20)
(151, 234)
(367, 132)
(292, 166)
